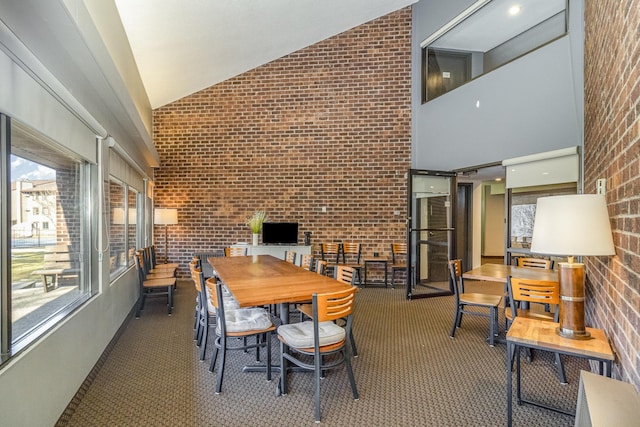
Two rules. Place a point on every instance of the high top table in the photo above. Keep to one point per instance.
(500, 272)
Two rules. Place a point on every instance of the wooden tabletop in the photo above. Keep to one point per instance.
(263, 279)
(499, 273)
(542, 334)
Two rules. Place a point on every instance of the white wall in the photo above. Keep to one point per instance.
(532, 104)
(52, 57)
(493, 231)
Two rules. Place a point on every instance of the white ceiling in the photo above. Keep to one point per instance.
(182, 47)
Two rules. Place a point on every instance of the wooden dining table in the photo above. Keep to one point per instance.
(265, 280)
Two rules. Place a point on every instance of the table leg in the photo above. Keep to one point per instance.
(509, 385)
(365, 274)
(516, 354)
(386, 281)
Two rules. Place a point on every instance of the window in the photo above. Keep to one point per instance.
(132, 236)
(117, 230)
(486, 36)
(48, 256)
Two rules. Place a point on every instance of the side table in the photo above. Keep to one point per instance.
(384, 261)
(541, 335)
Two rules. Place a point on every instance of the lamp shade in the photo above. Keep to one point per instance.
(165, 216)
(571, 225)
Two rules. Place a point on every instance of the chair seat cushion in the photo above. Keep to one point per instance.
(246, 319)
(229, 304)
(300, 335)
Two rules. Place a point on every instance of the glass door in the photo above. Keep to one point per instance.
(430, 232)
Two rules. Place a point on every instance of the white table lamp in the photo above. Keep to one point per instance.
(165, 217)
(574, 225)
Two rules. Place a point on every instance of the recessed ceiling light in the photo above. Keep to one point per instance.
(514, 10)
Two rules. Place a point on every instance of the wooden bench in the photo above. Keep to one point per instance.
(58, 261)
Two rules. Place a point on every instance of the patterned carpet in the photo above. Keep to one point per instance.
(409, 372)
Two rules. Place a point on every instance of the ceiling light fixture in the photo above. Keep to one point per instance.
(514, 10)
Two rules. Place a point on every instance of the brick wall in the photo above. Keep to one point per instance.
(326, 126)
(612, 149)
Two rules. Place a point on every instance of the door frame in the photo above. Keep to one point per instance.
(411, 272)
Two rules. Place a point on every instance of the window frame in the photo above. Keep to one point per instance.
(83, 182)
(534, 37)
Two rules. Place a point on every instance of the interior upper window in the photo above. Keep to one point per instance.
(486, 36)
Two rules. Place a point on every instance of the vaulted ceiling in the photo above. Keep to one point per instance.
(181, 47)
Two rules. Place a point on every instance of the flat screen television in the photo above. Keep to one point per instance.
(280, 233)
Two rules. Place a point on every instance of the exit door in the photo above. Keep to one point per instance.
(430, 232)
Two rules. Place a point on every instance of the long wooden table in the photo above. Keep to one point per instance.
(500, 272)
(265, 280)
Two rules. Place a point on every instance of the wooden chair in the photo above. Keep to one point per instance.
(154, 264)
(306, 262)
(347, 275)
(164, 269)
(476, 301)
(237, 323)
(318, 338)
(235, 251)
(155, 273)
(398, 260)
(535, 263)
(321, 267)
(152, 287)
(330, 252)
(194, 268)
(351, 257)
(534, 292)
(290, 256)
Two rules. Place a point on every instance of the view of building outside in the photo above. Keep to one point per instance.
(45, 233)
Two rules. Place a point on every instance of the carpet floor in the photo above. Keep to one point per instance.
(409, 372)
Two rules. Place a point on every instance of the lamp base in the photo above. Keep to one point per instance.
(571, 278)
(574, 335)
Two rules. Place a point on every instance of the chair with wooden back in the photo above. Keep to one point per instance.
(321, 267)
(347, 275)
(154, 273)
(165, 270)
(398, 260)
(535, 293)
(237, 323)
(152, 287)
(194, 269)
(306, 262)
(235, 251)
(535, 263)
(474, 300)
(330, 252)
(319, 337)
(155, 264)
(352, 257)
(290, 256)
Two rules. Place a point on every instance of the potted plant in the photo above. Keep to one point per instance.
(255, 224)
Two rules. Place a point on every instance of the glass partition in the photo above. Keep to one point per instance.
(486, 36)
